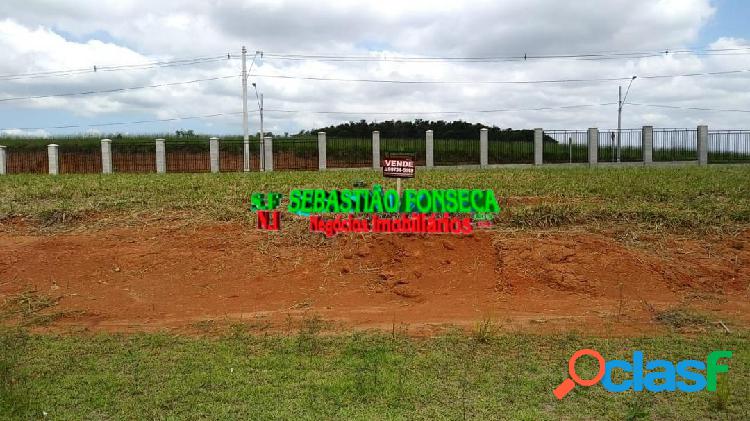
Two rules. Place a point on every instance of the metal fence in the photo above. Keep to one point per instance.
(78, 160)
(232, 155)
(675, 145)
(455, 151)
(20, 160)
(295, 154)
(565, 146)
(631, 145)
(135, 157)
(729, 146)
(507, 147)
(412, 146)
(187, 156)
(348, 152)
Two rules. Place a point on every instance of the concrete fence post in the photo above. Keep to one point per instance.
(106, 156)
(703, 145)
(3, 161)
(322, 157)
(246, 155)
(429, 149)
(483, 148)
(376, 150)
(268, 153)
(538, 146)
(52, 156)
(161, 157)
(593, 141)
(647, 143)
(213, 153)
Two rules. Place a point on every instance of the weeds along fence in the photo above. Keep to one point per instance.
(139, 154)
(675, 145)
(729, 146)
(565, 146)
(631, 145)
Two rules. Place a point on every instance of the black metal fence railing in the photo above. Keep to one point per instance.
(134, 157)
(411, 146)
(29, 161)
(348, 152)
(510, 147)
(631, 145)
(455, 152)
(565, 146)
(232, 155)
(675, 145)
(295, 154)
(187, 155)
(729, 146)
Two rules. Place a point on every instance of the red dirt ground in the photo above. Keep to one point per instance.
(152, 278)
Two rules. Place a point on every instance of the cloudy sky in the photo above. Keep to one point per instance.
(136, 43)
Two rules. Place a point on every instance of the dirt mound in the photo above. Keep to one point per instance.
(152, 277)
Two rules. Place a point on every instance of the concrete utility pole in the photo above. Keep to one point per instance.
(620, 103)
(245, 133)
(262, 133)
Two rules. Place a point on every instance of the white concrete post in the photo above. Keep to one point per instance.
(106, 156)
(322, 151)
(161, 157)
(593, 140)
(246, 155)
(3, 164)
(268, 149)
(429, 149)
(213, 153)
(538, 146)
(483, 148)
(703, 145)
(376, 149)
(52, 155)
(647, 143)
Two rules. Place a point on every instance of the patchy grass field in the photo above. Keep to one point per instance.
(360, 376)
(690, 198)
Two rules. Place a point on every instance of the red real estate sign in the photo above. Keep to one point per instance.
(398, 166)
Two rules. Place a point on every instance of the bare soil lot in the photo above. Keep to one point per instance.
(178, 275)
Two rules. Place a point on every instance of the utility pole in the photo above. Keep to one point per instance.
(619, 120)
(262, 133)
(245, 133)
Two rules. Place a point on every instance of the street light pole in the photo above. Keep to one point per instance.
(620, 103)
(262, 133)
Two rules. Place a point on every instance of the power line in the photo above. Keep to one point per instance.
(502, 82)
(312, 112)
(115, 90)
(677, 107)
(119, 123)
(517, 57)
(113, 68)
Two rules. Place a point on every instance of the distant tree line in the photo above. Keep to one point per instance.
(416, 129)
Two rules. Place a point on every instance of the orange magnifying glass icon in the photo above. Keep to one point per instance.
(568, 384)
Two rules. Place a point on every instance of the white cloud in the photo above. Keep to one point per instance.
(33, 38)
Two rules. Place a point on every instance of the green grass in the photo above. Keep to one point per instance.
(690, 198)
(359, 376)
